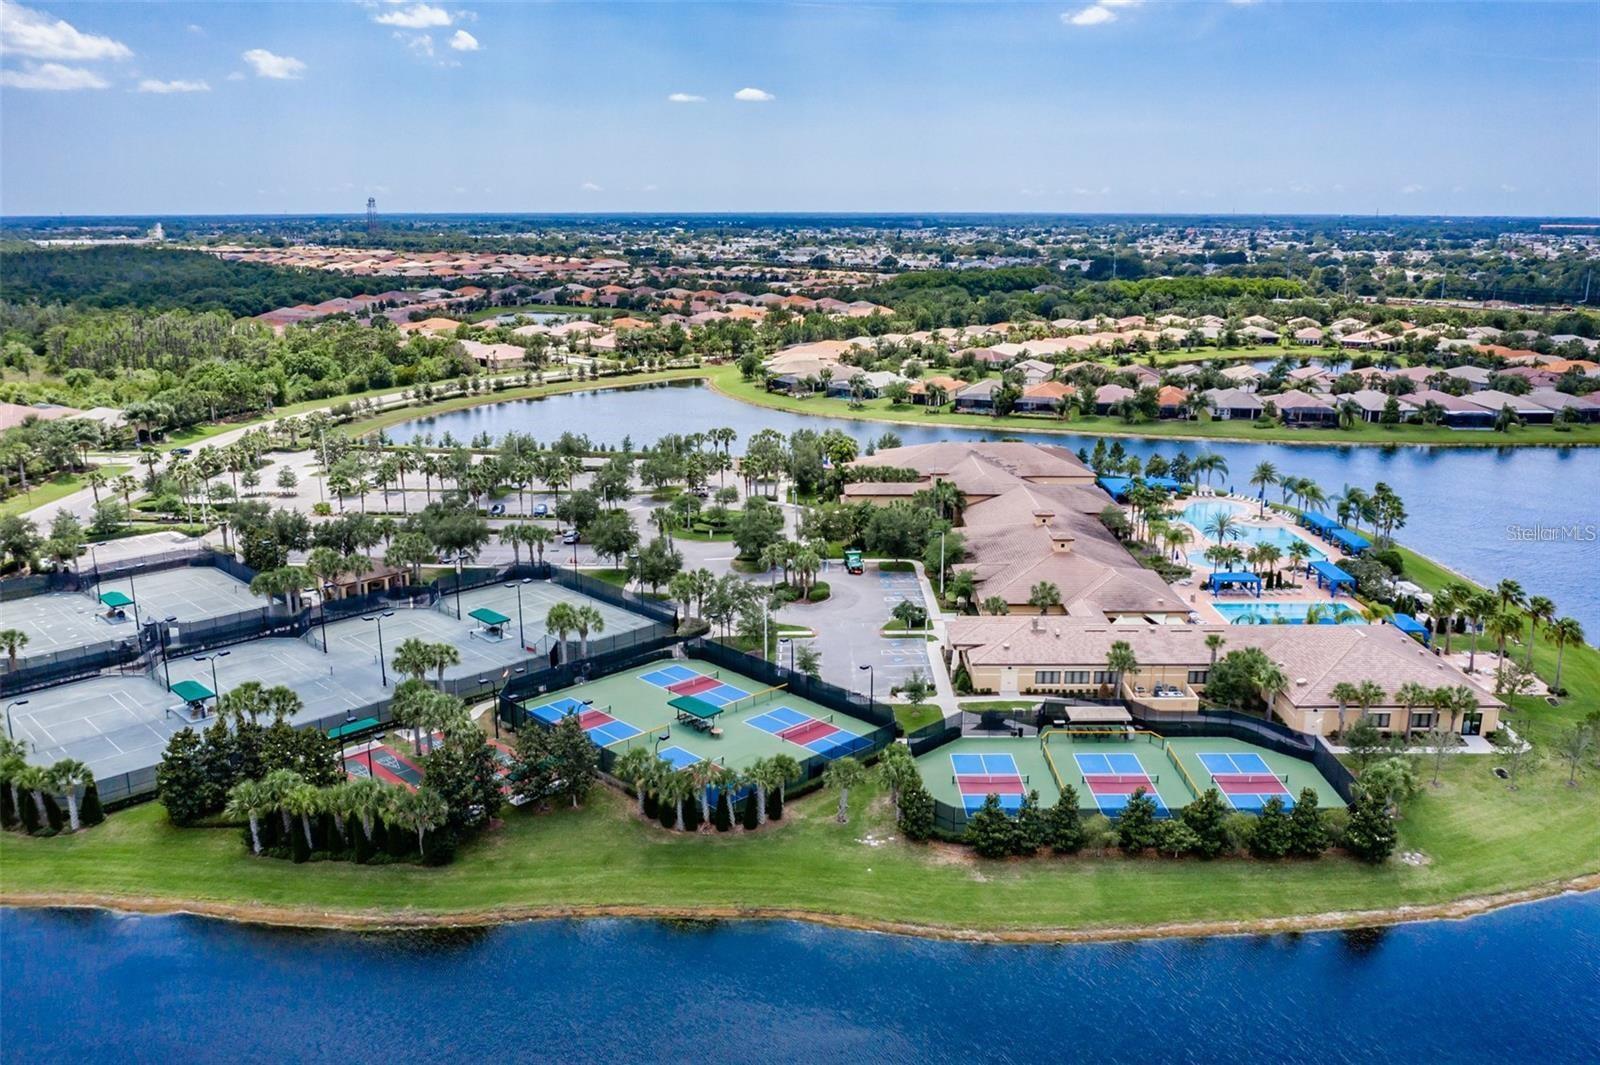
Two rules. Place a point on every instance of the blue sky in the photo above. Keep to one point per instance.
(1404, 108)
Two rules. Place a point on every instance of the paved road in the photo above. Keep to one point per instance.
(847, 625)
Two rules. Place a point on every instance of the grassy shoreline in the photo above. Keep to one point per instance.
(726, 380)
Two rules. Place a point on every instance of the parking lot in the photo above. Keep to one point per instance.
(848, 624)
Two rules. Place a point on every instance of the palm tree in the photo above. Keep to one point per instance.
(844, 774)
(1446, 603)
(366, 799)
(560, 619)
(1510, 594)
(996, 605)
(1563, 632)
(442, 656)
(1411, 695)
(35, 781)
(636, 764)
(1044, 595)
(68, 775)
(1264, 475)
(587, 619)
(1344, 693)
(784, 769)
(413, 658)
(278, 784)
(304, 801)
(1214, 642)
(247, 801)
(537, 536)
(422, 811)
(1220, 528)
(676, 787)
(1501, 626)
(1120, 660)
(1540, 611)
(13, 640)
(1476, 607)
(1174, 537)
(1368, 694)
(1271, 682)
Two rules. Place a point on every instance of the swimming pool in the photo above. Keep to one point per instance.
(1277, 613)
(1200, 514)
(1248, 536)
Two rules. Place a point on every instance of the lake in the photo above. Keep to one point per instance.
(1520, 985)
(1465, 504)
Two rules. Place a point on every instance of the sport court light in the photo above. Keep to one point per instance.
(10, 734)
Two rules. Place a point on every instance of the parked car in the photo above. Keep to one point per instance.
(540, 510)
(182, 452)
(571, 537)
(497, 510)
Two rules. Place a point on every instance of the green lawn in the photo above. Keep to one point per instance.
(912, 718)
(726, 379)
(58, 487)
(1478, 837)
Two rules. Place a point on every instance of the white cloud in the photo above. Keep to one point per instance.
(1089, 16)
(197, 28)
(463, 41)
(650, 188)
(1411, 190)
(237, 75)
(684, 98)
(415, 17)
(419, 43)
(26, 32)
(52, 77)
(268, 65)
(176, 85)
(1096, 14)
(754, 96)
(1508, 188)
(589, 186)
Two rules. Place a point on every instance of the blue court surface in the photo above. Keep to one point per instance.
(812, 733)
(677, 757)
(1246, 780)
(980, 775)
(1113, 778)
(552, 712)
(721, 695)
(669, 675)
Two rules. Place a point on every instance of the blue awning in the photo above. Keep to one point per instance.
(1116, 487)
(1330, 575)
(1320, 522)
(1354, 543)
(1217, 581)
(1412, 627)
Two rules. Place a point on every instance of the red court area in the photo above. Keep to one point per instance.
(990, 785)
(811, 730)
(594, 718)
(1250, 785)
(695, 686)
(1118, 785)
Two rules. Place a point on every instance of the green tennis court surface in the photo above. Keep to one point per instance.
(1107, 768)
(642, 708)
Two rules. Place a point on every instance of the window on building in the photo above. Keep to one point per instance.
(1047, 676)
(1198, 676)
(1422, 720)
(1379, 720)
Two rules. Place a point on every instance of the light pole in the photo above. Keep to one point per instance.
(782, 640)
(383, 667)
(166, 667)
(460, 562)
(349, 719)
(522, 637)
(322, 611)
(872, 685)
(133, 593)
(10, 732)
(94, 559)
(216, 689)
(942, 568)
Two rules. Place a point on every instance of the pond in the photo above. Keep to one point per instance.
(1525, 513)
(1514, 986)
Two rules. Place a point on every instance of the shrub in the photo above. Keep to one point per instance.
(894, 565)
(775, 805)
(8, 812)
(916, 811)
(651, 804)
(322, 510)
(1174, 838)
(1269, 836)
(90, 812)
(29, 811)
(1136, 824)
(749, 814)
(1207, 818)
(691, 814)
(722, 813)
(667, 814)
(1063, 823)
(1370, 833)
(818, 592)
(1308, 836)
(1097, 832)
(53, 814)
(1029, 831)
(989, 830)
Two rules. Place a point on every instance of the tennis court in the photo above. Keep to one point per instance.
(1245, 780)
(357, 640)
(1113, 779)
(112, 724)
(978, 776)
(537, 599)
(327, 684)
(642, 707)
(60, 620)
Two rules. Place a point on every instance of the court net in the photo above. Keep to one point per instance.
(760, 698)
(1120, 779)
(1251, 779)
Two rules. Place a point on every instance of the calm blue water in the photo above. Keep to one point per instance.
(1522, 985)
(1268, 613)
(1462, 501)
